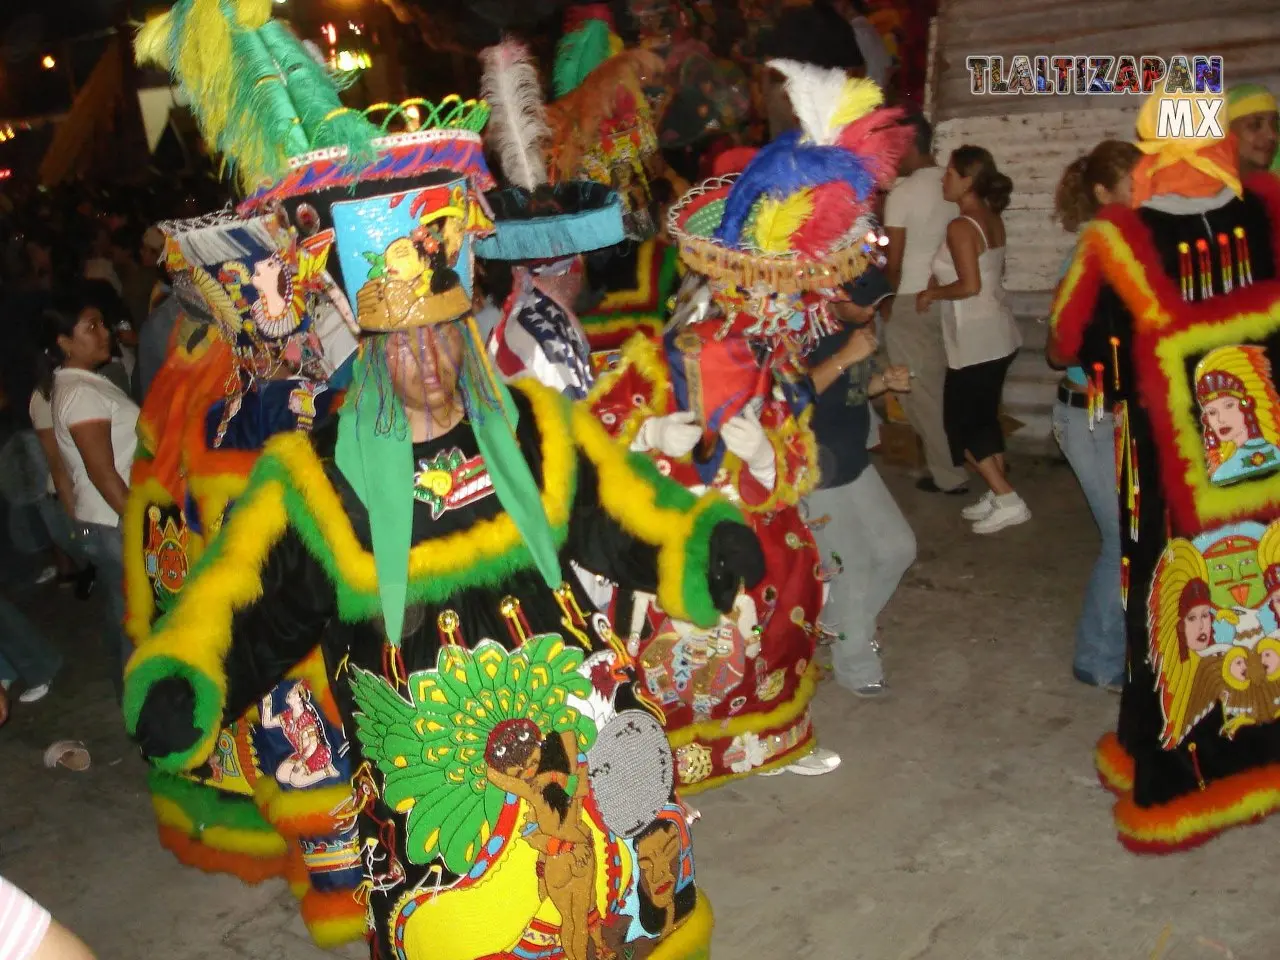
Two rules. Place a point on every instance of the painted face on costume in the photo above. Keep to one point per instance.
(515, 749)
(1269, 654)
(424, 365)
(1235, 577)
(1197, 627)
(89, 345)
(1226, 419)
(403, 260)
(658, 854)
(294, 699)
(1258, 135)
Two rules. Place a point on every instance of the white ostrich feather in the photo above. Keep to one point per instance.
(518, 129)
(815, 94)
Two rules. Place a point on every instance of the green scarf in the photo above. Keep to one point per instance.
(379, 466)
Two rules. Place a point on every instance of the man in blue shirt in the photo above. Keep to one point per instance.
(860, 531)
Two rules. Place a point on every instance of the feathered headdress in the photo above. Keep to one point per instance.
(797, 215)
(589, 41)
(258, 94)
(518, 129)
(534, 220)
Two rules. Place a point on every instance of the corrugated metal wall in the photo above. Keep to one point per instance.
(1033, 138)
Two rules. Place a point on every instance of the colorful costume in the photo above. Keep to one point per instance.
(736, 696)
(1174, 311)
(262, 361)
(775, 249)
(512, 791)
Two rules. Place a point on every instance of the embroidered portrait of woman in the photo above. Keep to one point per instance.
(1239, 414)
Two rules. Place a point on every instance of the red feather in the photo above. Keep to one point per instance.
(880, 139)
(835, 210)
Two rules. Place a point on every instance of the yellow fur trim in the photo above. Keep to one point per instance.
(619, 300)
(780, 716)
(281, 807)
(140, 600)
(197, 632)
(1213, 503)
(482, 541)
(692, 939)
(642, 354)
(213, 493)
(632, 501)
(250, 843)
(338, 931)
(785, 493)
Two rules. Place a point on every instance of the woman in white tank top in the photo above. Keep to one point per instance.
(978, 331)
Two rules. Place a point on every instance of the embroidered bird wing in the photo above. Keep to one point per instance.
(219, 301)
(1178, 676)
(431, 749)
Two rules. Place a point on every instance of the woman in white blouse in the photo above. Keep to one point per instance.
(979, 333)
(94, 422)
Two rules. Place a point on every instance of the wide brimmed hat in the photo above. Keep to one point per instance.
(534, 218)
(695, 220)
(798, 218)
(552, 222)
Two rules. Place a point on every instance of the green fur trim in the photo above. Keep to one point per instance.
(697, 561)
(148, 671)
(667, 494)
(355, 605)
(208, 806)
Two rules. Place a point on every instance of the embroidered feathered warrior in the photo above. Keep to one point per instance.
(1173, 308)
(512, 789)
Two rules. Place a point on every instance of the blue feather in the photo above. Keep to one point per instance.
(783, 167)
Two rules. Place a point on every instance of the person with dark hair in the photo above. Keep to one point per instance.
(1101, 177)
(94, 423)
(915, 219)
(978, 331)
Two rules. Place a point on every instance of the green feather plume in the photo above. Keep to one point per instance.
(579, 53)
(259, 96)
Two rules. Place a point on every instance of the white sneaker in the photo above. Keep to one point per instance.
(813, 764)
(32, 694)
(1008, 515)
(981, 509)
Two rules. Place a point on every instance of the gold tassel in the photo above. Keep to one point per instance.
(573, 619)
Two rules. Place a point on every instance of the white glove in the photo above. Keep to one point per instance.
(673, 435)
(746, 439)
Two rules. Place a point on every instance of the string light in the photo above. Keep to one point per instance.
(48, 62)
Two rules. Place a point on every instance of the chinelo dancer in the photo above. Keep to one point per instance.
(721, 402)
(1173, 311)
(513, 788)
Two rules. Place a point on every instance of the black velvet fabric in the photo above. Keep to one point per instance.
(1162, 775)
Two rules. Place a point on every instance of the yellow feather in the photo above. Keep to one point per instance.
(616, 45)
(859, 97)
(205, 64)
(777, 220)
(254, 13)
(151, 46)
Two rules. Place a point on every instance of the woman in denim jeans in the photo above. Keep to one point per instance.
(1099, 178)
(94, 423)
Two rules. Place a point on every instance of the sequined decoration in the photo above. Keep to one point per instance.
(1224, 261)
(517, 625)
(447, 624)
(1206, 268)
(1186, 281)
(1243, 268)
